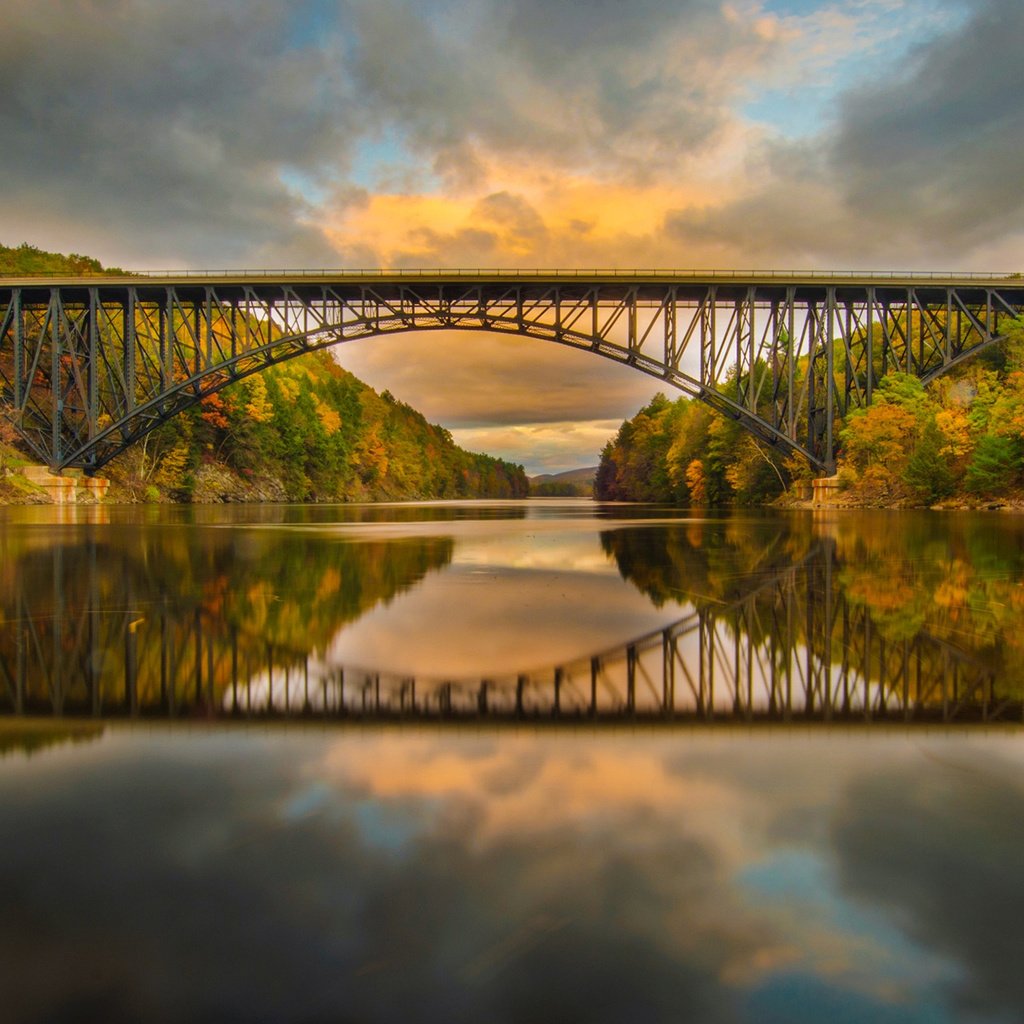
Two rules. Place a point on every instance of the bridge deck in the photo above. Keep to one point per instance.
(783, 278)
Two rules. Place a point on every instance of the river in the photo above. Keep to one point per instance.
(510, 761)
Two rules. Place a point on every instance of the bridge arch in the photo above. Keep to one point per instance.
(90, 366)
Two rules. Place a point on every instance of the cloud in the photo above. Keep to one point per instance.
(550, 447)
(422, 875)
(916, 170)
(469, 379)
(158, 131)
(934, 147)
(572, 84)
(486, 639)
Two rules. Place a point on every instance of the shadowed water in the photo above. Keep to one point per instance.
(779, 778)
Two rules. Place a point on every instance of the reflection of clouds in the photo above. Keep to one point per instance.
(540, 549)
(584, 875)
(517, 788)
(470, 622)
(934, 852)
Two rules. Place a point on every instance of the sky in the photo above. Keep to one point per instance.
(690, 134)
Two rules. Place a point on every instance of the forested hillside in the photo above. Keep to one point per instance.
(961, 439)
(305, 430)
(26, 260)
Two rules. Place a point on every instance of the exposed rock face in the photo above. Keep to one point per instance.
(216, 484)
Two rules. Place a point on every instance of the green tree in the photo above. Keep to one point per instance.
(928, 471)
(994, 466)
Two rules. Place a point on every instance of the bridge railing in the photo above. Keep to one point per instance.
(540, 272)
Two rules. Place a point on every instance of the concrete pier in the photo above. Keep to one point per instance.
(65, 490)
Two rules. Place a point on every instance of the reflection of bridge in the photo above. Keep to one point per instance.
(90, 365)
(793, 649)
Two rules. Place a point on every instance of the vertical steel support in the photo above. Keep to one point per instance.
(166, 329)
(751, 350)
(947, 341)
(57, 407)
(791, 361)
(671, 330)
(93, 369)
(908, 333)
(668, 674)
(19, 352)
(830, 389)
(869, 387)
(811, 331)
(130, 340)
(631, 307)
(208, 326)
(197, 366)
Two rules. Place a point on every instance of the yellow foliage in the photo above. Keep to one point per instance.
(329, 418)
(172, 466)
(289, 388)
(696, 483)
(956, 431)
(258, 408)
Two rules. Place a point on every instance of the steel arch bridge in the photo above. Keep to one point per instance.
(89, 365)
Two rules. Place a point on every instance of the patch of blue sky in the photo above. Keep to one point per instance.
(819, 66)
(306, 186)
(784, 112)
(309, 21)
(806, 885)
(383, 162)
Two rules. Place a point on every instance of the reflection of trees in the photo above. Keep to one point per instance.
(784, 618)
(707, 561)
(32, 736)
(905, 601)
(176, 615)
(954, 579)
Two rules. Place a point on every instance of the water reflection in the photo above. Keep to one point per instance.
(295, 871)
(773, 618)
(299, 875)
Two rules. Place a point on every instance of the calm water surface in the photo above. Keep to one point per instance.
(510, 762)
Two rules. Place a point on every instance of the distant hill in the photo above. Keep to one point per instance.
(573, 483)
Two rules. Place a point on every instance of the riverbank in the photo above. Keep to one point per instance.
(212, 482)
(1007, 503)
(842, 492)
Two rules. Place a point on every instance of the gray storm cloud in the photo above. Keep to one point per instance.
(161, 130)
(226, 134)
(919, 168)
(935, 148)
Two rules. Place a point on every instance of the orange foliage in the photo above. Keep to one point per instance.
(214, 411)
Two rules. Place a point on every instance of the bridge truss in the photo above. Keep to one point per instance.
(88, 366)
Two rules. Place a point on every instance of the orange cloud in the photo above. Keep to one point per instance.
(537, 215)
